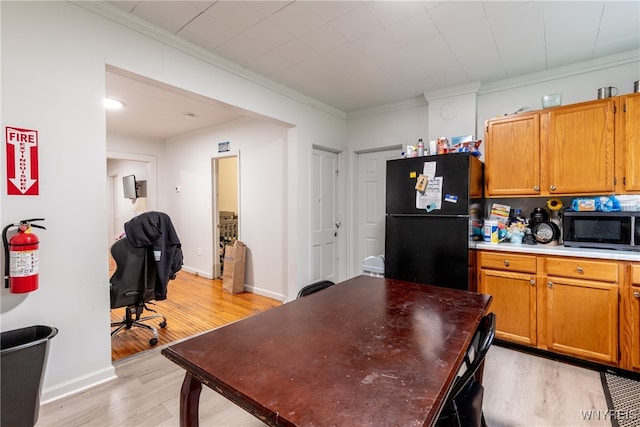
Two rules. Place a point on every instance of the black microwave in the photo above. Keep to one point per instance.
(604, 230)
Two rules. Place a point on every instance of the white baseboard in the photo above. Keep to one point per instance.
(265, 293)
(197, 272)
(77, 385)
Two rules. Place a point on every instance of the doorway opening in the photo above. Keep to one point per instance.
(226, 206)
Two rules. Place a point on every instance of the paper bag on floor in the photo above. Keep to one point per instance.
(235, 257)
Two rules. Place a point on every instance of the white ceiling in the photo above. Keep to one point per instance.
(359, 54)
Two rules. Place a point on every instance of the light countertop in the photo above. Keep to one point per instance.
(559, 250)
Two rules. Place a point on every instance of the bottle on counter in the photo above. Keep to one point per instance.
(433, 148)
(420, 148)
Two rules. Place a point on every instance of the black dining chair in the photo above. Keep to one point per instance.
(463, 407)
(314, 287)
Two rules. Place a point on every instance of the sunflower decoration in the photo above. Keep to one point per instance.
(554, 204)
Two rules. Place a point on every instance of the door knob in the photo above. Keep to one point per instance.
(550, 284)
(553, 188)
(533, 282)
(636, 294)
(338, 224)
(536, 188)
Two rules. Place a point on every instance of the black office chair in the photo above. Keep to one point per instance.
(133, 287)
(314, 287)
(463, 407)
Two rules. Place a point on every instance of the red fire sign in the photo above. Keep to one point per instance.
(22, 161)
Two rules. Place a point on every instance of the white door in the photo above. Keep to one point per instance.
(371, 202)
(324, 217)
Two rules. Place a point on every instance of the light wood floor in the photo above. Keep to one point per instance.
(194, 304)
(520, 390)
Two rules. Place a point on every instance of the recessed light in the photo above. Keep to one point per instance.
(112, 104)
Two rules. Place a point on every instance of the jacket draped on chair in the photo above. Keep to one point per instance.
(155, 230)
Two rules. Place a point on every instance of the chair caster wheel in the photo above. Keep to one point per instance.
(153, 341)
(163, 325)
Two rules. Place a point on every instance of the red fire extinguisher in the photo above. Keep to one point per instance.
(21, 257)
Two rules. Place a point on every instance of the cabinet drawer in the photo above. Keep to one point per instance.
(508, 262)
(635, 275)
(580, 268)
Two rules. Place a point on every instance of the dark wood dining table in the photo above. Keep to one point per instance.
(365, 352)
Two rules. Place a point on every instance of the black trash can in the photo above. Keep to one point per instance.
(23, 357)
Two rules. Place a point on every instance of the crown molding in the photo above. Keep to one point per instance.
(138, 25)
(561, 72)
(463, 89)
(387, 108)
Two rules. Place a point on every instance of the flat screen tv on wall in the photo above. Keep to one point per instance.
(130, 187)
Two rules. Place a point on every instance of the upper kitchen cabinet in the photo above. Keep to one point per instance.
(628, 144)
(512, 156)
(554, 152)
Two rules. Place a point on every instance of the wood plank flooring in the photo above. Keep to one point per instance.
(520, 390)
(194, 304)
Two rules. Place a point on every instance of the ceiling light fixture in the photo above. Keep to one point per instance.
(112, 104)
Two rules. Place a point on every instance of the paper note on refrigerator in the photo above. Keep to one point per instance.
(429, 169)
(431, 198)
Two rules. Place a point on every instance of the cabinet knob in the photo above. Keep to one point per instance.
(533, 282)
(580, 270)
(506, 263)
(636, 294)
(550, 284)
(536, 188)
(552, 188)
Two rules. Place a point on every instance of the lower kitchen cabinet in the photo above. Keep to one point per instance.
(511, 280)
(633, 303)
(582, 319)
(582, 308)
(564, 305)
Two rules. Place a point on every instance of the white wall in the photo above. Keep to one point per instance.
(122, 209)
(262, 151)
(54, 56)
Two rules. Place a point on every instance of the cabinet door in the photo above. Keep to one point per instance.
(630, 123)
(582, 318)
(512, 156)
(514, 303)
(578, 149)
(635, 327)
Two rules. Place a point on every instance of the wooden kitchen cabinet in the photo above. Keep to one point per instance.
(560, 304)
(562, 151)
(511, 280)
(627, 144)
(633, 303)
(512, 156)
(580, 314)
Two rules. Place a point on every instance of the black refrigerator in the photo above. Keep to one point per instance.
(427, 232)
